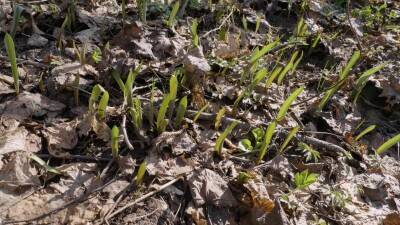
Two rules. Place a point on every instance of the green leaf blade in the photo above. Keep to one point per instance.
(286, 105)
(9, 44)
(221, 138)
(388, 144)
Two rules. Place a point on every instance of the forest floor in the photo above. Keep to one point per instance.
(250, 112)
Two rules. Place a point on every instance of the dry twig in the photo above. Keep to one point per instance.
(142, 198)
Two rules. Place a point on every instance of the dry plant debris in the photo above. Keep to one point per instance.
(311, 89)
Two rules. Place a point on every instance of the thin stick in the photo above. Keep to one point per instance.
(78, 157)
(220, 26)
(126, 139)
(28, 62)
(142, 198)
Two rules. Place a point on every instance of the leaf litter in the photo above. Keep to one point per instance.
(186, 182)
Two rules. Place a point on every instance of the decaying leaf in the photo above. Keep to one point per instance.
(28, 105)
(61, 136)
(207, 187)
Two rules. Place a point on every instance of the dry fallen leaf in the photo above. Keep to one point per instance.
(207, 187)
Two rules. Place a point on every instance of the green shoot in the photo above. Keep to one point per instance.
(303, 179)
(288, 138)
(114, 141)
(173, 14)
(288, 67)
(297, 63)
(243, 177)
(316, 221)
(180, 113)
(200, 112)
(161, 121)
(123, 9)
(9, 43)
(103, 104)
(258, 135)
(94, 97)
(244, 21)
(308, 152)
(362, 80)
(59, 40)
(263, 51)
(16, 17)
(223, 34)
(285, 106)
(140, 175)
(118, 79)
(71, 23)
(219, 117)
(257, 79)
(151, 109)
(45, 165)
(193, 31)
(284, 72)
(173, 89)
(369, 129)
(342, 76)
(314, 44)
(273, 76)
(221, 138)
(96, 55)
(385, 146)
(80, 53)
(142, 9)
(136, 114)
(257, 24)
(128, 100)
(267, 139)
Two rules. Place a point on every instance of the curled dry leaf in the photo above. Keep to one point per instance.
(90, 122)
(61, 136)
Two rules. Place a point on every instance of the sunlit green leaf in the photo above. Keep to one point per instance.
(114, 141)
(288, 138)
(369, 129)
(286, 105)
(245, 145)
(221, 138)
(272, 77)
(161, 114)
(385, 146)
(44, 164)
(219, 117)
(180, 113)
(303, 179)
(18, 9)
(267, 140)
(173, 14)
(263, 51)
(199, 113)
(140, 175)
(9, 43)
